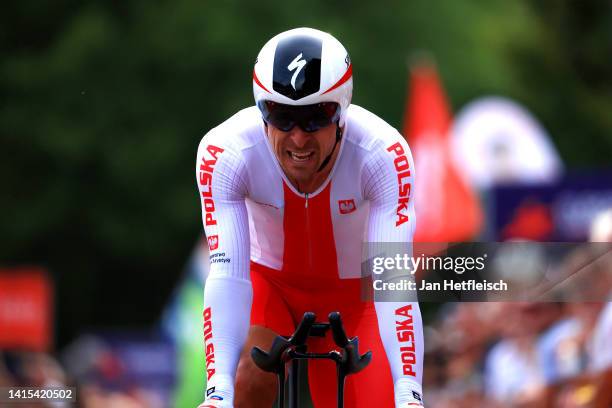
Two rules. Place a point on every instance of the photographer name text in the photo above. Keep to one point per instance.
(446, 285)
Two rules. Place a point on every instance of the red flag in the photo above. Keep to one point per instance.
(447, 209)
(26, 299)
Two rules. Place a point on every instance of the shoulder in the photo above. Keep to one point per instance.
(377, 140)
(241, 131)
(221, 152)
(369, 131)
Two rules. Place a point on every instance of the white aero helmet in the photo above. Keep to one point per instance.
(304, 66)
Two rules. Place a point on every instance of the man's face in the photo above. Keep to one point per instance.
(301, 153)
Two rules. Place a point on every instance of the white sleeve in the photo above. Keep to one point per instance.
(388, 183)
(228, 292)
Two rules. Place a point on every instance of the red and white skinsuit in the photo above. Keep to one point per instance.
(276, 253)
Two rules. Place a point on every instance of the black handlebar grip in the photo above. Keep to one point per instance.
(270, 361)
(262, 359)
(301, 333)
(338, 332)
(355, 362)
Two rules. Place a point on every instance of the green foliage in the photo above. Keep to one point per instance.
(104, 104)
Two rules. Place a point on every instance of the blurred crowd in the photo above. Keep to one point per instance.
(530, 354)
(520, 355)
(30, 369)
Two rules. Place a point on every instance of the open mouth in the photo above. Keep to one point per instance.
(300, 157)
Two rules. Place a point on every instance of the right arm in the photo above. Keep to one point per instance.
(228, 292)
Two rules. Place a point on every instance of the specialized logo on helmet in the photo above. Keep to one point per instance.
(296, 64)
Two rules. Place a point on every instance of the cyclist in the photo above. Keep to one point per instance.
(291, 188)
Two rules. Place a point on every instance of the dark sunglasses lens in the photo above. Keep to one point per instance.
(309, 117)
(322, 115)
(275, 115)
(282, 120)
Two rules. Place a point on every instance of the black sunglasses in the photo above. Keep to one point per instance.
(309, 118)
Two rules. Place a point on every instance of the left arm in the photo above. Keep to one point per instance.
(388, 183)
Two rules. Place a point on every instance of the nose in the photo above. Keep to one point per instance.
(299, 137)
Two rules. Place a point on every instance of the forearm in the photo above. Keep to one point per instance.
(228, 293)
(401, 331)
(227, 306)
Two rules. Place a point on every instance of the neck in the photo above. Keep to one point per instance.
(311, 185)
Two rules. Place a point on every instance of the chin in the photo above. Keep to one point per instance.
(301, 174)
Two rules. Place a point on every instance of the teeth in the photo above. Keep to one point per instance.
(300, 157)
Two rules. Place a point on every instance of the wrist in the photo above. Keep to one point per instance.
(407, 391)
(221, 388)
